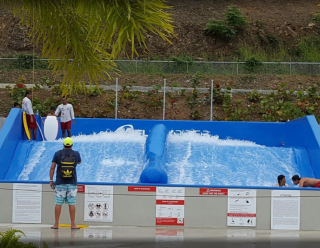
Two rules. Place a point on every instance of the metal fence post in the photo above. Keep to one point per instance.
(164, 99)
(211, 107)
(187, 67)
(290, 67)
(237, 68)
(136, 66)
(116, 107)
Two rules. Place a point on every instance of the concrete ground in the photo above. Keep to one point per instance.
(162, 237)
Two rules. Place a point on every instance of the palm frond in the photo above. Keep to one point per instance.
(83, 37)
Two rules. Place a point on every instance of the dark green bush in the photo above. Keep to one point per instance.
(252, 64)
(219, 29)
(235, 18)
(226, 29)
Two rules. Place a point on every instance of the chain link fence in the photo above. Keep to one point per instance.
(173, 67)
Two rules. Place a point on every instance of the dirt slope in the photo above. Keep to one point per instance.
(284, 20)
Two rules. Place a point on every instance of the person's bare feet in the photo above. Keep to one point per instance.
(74, 227)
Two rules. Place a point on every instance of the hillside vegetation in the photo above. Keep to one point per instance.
(213, 30)
(276, 30)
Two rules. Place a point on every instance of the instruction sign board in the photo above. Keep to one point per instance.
(26, 205)
(98, 203)
(242, 207)
(285, 209)
(141, 189)
(213, 191)
(170, 206)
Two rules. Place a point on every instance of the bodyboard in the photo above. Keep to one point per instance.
(25, 125)
(51, 128)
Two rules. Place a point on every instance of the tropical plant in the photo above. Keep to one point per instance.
(253, 96)
(195, 115)
(84, 37)
(10, 239)
(18, 91)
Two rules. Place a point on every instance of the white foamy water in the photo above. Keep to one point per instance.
(192, 158)
(106, 157)
(201, 159)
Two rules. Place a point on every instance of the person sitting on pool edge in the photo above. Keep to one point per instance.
(281, 182)
(306, 182)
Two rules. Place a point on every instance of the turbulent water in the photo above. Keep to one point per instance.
(192, 158)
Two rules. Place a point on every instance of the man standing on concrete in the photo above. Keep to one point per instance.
(67, 114)
(66, 181)
(31, 120)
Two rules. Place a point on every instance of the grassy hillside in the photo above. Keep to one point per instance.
(276, 30)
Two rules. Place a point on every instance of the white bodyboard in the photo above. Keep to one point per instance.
(51, 128)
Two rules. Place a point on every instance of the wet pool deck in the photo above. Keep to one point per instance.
(161, 237)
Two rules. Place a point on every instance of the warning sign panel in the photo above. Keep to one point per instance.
(170, 206)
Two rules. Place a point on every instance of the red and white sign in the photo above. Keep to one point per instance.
(81, 188)
(212, 191)
(169, 235)
(142, 189)
(170, 206)
(242, 210)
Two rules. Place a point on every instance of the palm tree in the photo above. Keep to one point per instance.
(83, 37)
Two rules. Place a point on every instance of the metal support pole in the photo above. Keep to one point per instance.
(211, 107)
(164, 99)
(116, 107)
(136, 66)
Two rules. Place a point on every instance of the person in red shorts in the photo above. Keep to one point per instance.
(65, 110)
(31, 120)
(306, 182)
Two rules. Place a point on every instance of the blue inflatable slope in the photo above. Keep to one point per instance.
(302, 134)
(154, 171)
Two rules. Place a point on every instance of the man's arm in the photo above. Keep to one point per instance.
(79, 158)
(57, 111)
(51, 173)
(72, 113)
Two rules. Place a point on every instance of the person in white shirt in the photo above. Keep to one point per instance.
(65, 110)
(31, 120)
(281, 182)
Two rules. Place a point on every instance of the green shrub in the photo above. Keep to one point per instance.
(253, 96)
(29, 62)
(235, 18)
(18, 91)
(182, 59)
(316, 17)
(195, 115)
(252, 64)
(219, 29)
(10, 239)
(226, 29)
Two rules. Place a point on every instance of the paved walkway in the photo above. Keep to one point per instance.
(161, 237)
